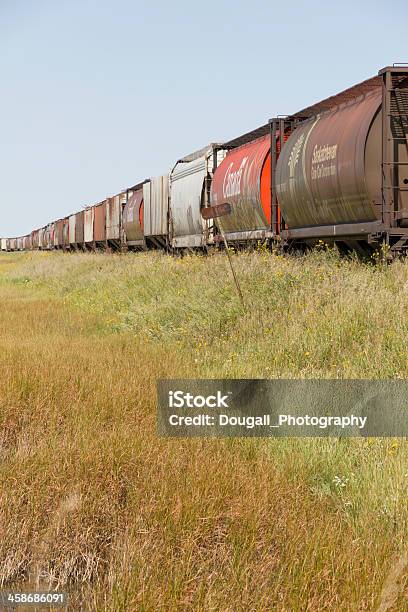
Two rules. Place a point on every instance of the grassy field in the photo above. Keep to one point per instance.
(93, 502)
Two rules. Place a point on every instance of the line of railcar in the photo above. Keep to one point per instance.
(337, 170)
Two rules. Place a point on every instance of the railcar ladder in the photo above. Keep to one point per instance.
(280, 129)
(394, 134)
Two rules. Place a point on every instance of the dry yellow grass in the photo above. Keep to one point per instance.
(94, 502)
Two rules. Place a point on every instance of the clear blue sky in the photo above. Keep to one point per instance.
(99, 94)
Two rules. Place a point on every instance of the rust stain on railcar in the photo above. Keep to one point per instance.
(59, 232)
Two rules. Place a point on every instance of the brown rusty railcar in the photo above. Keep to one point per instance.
(100, 224)
(343, 174)
(79, 229)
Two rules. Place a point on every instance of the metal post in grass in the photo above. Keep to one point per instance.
(213, 212)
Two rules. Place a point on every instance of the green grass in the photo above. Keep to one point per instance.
(94, 502)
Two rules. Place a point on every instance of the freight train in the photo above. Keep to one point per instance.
(336, 171)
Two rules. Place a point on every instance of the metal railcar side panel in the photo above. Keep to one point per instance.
(72, 223)
(65, 232)
(321, 175)
(100, 222)
(79, 227)
(243, 180)
(89, 214)
(113, 218)
(133, 218)
(156, 206)
(187, 185)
